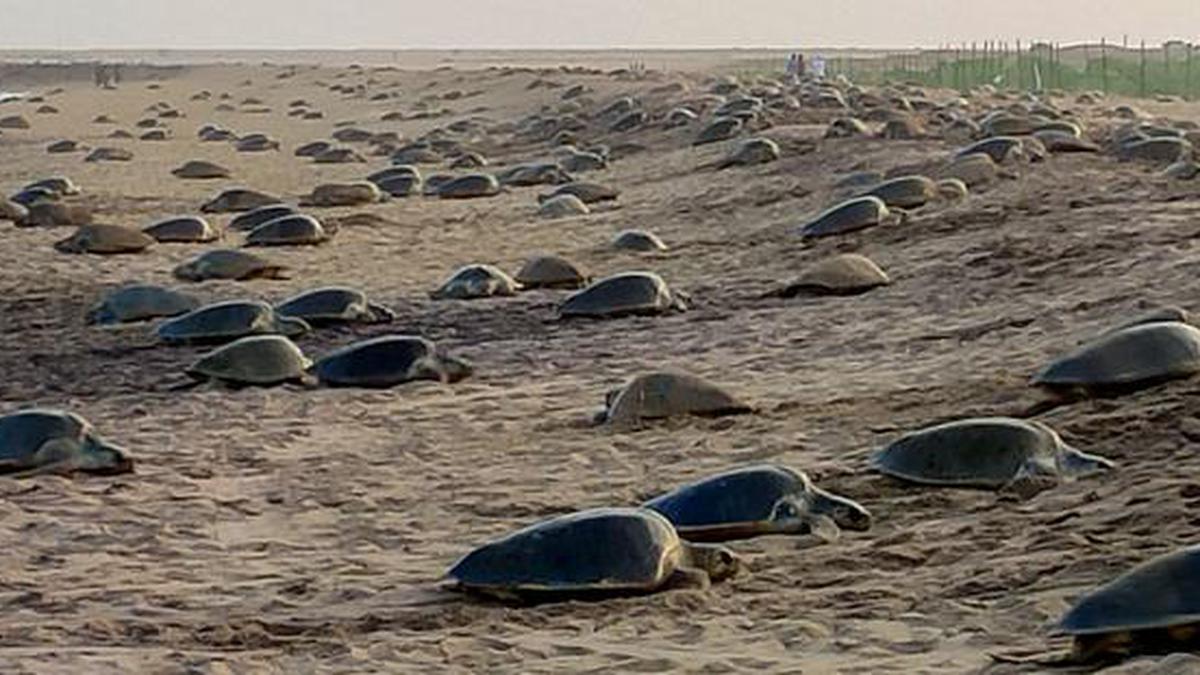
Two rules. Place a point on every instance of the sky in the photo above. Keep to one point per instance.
(399, 24)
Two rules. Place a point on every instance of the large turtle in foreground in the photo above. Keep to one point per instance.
(38, 441)
(230, 320)
(658, 395)
(476, 281)
(758, 500)
(592, 553)
(387, 361)
(334, 304)
(1124, 360)
(988, 453)
(257, 360)
(625, 294)
(228, 264)
(140, 302)
(1153, 608)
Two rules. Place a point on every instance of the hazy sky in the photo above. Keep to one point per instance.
(580, 23)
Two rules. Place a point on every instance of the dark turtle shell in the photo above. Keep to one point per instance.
(719, 130)
(334, 304)
(471, 185)
(848, 216)
(1160, 593)
(264, 214)
(999, 148)
(659, 395)
(905, 192)
(601, 549)
(56, 441)
(387, 361)
(588, 193)
(182, 229)
(1125, 359)
(753, 501)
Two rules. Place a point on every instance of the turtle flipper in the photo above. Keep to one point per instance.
(1030, 481)
(823, 527)
(688, 577)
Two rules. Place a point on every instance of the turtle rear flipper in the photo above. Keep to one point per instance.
(1039, 659)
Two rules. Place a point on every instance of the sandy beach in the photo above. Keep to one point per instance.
(293, 530)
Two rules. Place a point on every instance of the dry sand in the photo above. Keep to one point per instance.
(298, 531)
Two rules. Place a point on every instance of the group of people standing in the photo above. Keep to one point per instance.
(106, 76)
(798, 66)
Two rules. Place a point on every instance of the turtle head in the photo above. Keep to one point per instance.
(456, 369)
(718, 561)
(100, 314)
(290, 326)
(845, 513)
(100, 458)
(380, 314)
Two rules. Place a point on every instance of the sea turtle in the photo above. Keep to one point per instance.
(1058, 141)
(1000, 148)
(257, 360)
(344, 194)
(297, 229)
(312, 149)
(106, 154)
(199, 169)
(542, 173)
(334, 304)
(186, 229)
(55, 214)
(592, 553)
(658, 395)
(750, 152)
(42, 441)
(847, 127)
(228, 320)
(338, 156)
(849, 216)
(680, 116)
(387, 361)
(14, 122)
(843, 274)
(228, 264)
(28, 196)
(549, 271)
(1004, 124)
(105, 240)
(758, 500)
(902, 128)
(952, 189)
(264, 214)
(1181, 170)
(579, 162)
(624, 294)
(588, 193)
(987, 452)
(468, 187)
(858, 179)
(476, 281)
(139, 302)
(563, 206)
(256, 143)
(1124, 360)
(630, 121)
(1164, 149)
(395, 171)
(1153, 608)
(468, 160)
(59, 185)
(63, 146)
(638, 240)
(237, 200)
(975, 169)
(905, 192)
(722, 129)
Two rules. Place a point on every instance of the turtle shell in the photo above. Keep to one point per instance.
(844, 274)
(227, 264)
(36, 438)
(752, 151)
(387, 361)
(974, 169)
(469, 186)
(312, 149)
(297, 229)
(1164, 149)
(345, 194)
(613, 549)
(476, 281)
(60, 185)
(1057, 140)
(224, 321)
(199, 169)
(260, 360)
(660, 395)
(588, 193)
(905, 192)
(719, 130)
(1160, 593)
(753, 501)
(333, 304)
(141, 302)
(105, 240)
(10, 210)
(251, 219)
(848, 216)
(989, 453)
(628, 293)
(1137, 356)
(237, 200)
(563, 206)
(551, 272)
(638, 240)
(999, 148)
(184, 229)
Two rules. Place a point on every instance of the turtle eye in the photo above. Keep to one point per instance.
(785, 511)
(726, 557)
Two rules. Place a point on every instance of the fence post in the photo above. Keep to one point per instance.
(1142, 74)
(1104, 64)
(1020, 69)
(1187, 79)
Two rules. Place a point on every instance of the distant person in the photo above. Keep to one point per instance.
(818, 67)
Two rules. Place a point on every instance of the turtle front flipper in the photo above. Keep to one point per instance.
(823, 527)
(380, 314)
(1073, 463)
(687, 578)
